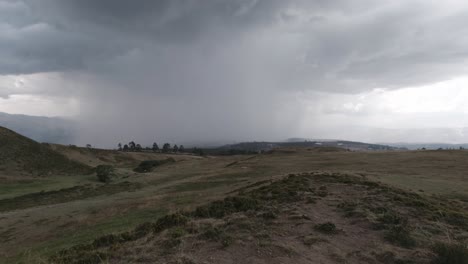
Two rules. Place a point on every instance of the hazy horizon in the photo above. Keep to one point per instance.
(243, 70)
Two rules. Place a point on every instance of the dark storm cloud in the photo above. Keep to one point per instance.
(229, 67)
(344, 46)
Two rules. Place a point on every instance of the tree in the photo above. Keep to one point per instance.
(166, 147)
(175, 148)
(119, 146)
(138, 147)
(155, 147)
(132, 146)
(181, 148)
(198, 151)
(125, 147)
(89, 146)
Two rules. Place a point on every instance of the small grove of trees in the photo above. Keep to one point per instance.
(166, 148)
(198, 151)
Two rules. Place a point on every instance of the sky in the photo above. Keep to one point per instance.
(238, 70)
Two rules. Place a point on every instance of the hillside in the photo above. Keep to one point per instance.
(266, 146)
(291, 205)
(21, 155)
(94, 157)
(430, 146)
(305, 218)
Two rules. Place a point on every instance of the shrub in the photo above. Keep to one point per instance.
(401, 236)
(217, 234)
(177, 232)
(149, 165)
(348, 207)
(326, 228)
(212, 233)
(169, 221)
(391, 218)
(219, 209)
(269, 215)
(142, 230)
(450, 254)
(311, 240)
(104, 173)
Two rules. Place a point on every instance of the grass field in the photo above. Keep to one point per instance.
(35, 229)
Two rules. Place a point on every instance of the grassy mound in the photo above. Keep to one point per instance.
(21, 154)
(291, 209)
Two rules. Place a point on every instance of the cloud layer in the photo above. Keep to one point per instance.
(223, 69)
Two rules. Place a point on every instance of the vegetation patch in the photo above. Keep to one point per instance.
(105, 173)
(400, 235)
(326, 228)
(35, 158)
(229, 205)
(150, 165)
(218, 235)
(201, 185)
(391, 218)
(260, 204)
(85, 253)
(349, 208)
(450, 254)
(65, 195)
(290, 189)
(312, 240)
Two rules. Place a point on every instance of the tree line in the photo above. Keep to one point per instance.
(166, 148)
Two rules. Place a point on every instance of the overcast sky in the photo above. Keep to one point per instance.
(232, 70)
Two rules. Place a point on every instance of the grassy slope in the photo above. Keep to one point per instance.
(192, 181)
(20, 155)
(336, 218)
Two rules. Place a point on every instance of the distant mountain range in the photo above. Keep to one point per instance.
(414, 146)
(41, 129)
(64, 131)
(351, 145)
(398, 145)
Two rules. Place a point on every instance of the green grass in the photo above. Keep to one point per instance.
(86, 234)
(65, 195)
(212, 176)
(9, 190)
(201, 185)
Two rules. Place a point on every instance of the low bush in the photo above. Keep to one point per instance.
(149, 165)
(391, 218)
(400, 235)
(169, 221)
(219, 209)
(450, 254)
(326, 228)
(218, 235)
(104, 173)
